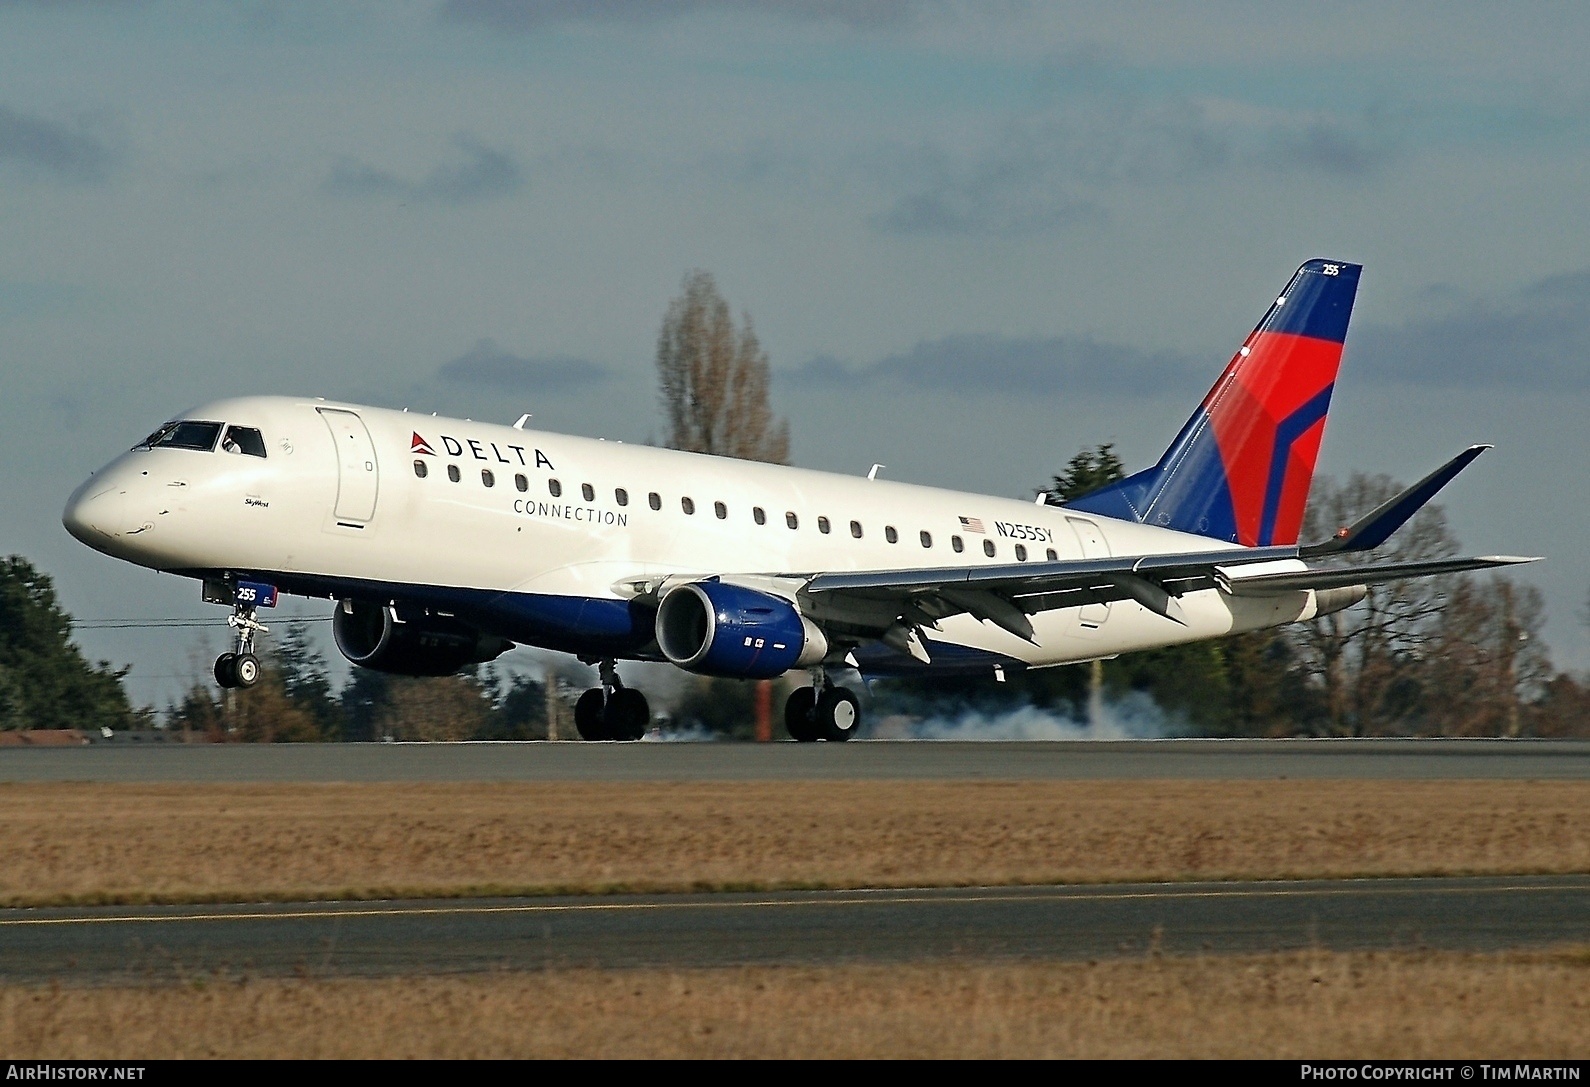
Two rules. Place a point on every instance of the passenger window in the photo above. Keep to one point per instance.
(758, 515)
(452, 472)
(521, 482)
(956, 545)
(245, 440)
(555, 488)
(988, 548)
(654, 500)
(1052, 556)
(822, 525)
(791, 520)
(1021, 552)
(926, 538)
(890, 534)
(855, 529)
(621, 496)
(720, 509)
(487, 478)
(588, 491)
(420, 469)
(688, 505)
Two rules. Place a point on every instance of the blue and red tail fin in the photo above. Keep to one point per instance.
(1241, 468)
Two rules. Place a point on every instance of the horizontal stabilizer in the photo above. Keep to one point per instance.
(1376, 527)
(1335, 577)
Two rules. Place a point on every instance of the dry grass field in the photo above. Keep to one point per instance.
(1310, 1004)
(83, 843)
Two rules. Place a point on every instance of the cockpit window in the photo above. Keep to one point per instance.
(186, 434)
(244, 439)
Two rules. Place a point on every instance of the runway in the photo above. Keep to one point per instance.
(858, 760)
(1061, 922)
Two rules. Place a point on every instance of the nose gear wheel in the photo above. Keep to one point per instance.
(241, 668)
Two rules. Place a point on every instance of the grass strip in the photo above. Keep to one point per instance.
(1310, 1004)
(114, 844)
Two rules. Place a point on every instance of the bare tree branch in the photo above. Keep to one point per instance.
(714, 380)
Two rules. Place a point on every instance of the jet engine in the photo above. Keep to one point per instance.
(409, 641)
(728, 630)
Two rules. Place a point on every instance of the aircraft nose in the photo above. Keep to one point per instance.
(96, 514)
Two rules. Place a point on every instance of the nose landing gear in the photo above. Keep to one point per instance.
(611, 711)
(241, 668)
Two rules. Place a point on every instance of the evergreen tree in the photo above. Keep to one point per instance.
(305, 680)
(44, 680)
(1085, 473)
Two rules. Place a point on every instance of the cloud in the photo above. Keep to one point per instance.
(522, 16)
(1325, 147)
(1063, 164)
(1539, 338)
(487, 173)
(45, 147)
(1004, 366)
(489, 365)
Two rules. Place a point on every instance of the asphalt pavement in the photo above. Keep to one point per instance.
(105, 944)
(857, 760)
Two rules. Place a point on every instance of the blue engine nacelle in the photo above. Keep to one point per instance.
(727, 630)
(409, 641)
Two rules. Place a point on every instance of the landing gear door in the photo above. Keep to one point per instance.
(358, 476)
(1094, 546)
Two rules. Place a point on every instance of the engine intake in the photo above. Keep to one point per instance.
(409, 641)
(727, 630)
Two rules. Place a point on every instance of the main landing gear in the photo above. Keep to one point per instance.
(241, 668)
(823, 711)
(611, 711)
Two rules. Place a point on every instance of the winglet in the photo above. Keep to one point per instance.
(1375, 527)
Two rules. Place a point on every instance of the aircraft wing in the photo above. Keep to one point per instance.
(1332, 577)
(897, 602)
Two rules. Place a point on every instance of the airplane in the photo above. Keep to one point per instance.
(446, 542)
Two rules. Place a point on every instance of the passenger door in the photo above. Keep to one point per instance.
(358, 474)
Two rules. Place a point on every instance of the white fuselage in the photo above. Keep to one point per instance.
(546, 535)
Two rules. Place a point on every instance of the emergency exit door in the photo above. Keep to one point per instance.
(358, 476)
(1094, 546)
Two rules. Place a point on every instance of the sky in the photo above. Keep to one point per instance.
(974, 238)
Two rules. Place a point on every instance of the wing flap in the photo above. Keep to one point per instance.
(1038, 577)
(1233, 582)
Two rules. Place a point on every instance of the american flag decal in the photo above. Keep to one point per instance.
(973, 524)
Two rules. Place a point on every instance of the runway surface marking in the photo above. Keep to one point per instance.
(766, 903)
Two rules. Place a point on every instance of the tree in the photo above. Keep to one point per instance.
(434, 708)
(1488, 659)
(364, 699)
(520, 711)
(1367, 660)
(44, 680)
(305, 681)
(277, 709)
(1085, 473)
(714, 389)
(714, 380)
